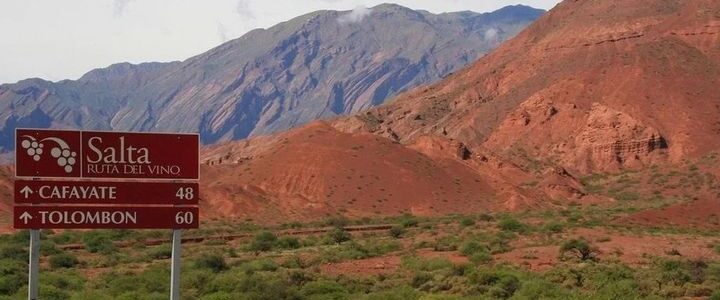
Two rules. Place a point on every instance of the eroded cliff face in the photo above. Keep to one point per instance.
(593, 86)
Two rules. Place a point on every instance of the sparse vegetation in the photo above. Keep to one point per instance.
(579, 248)
(63, 260)
(270, 264)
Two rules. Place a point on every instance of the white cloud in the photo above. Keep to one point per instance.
(243, 9)
(355, 16)
(222, 32)
(119, 7)
(491, 35)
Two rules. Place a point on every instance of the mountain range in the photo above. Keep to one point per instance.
(319, 65)
(592, 87)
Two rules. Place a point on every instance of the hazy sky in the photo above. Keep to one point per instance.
(58, 40)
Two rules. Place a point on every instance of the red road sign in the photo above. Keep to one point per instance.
(78, 192)
(98, 217)
(95, 154)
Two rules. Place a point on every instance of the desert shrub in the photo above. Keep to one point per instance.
(310, 241)
(715, 295)
(540, 289)
(500, 243)
(420, 264)
(259, 265)
(213, 262)
(95, 295)
(717, 248)
(421, 278)
(481, 258)
(63, 260)
(337, 221)
(262, 286)
(287, 242)
(324, 289)
(553, 227)
(627, 196)
(12, 276)
(48, 248)
(408, 220)
(293, 262)
(154, 279)
(511, 224)
(161, 252)
(99, 242)
(467, 221)
(263, 241)
(397, 293)
(472, 247)
(579, 248)
(52, 293)
(397, 231)
(446, 243)
(219, 296)
(497, 284)
(485, 218)
(13, 252)
(338, 235)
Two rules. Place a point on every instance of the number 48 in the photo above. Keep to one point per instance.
(185, 193)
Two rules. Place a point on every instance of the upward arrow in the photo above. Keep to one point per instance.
(27, 191)
(25, 217)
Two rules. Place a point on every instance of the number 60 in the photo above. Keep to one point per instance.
(184, 217)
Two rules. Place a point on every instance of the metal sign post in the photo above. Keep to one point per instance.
(175, 265)
(34, 264)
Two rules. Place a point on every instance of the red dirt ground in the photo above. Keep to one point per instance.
(702, 213)
(631, 249)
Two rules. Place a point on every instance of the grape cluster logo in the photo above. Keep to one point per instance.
(61, 152)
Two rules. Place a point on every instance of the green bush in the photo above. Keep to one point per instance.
(715, 295)
(259, 265)
(420, 264)
(511, 224)
(324, 289)
(579, 248)
(397, 293)
(538, 289)
(408, 220)
(63, 260)
(13, 252)
(627, 196)
(397, 232)
(470, 248)
(287, 242)
(98, 242)
(485, 218)
(219, 296)
(467, 221)
(337, 221)
(481, 258)
(446, 243)
(553, 227)
(263, 241)
(338, 235)
(213, 262)
(12, 276)
(161, 252)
